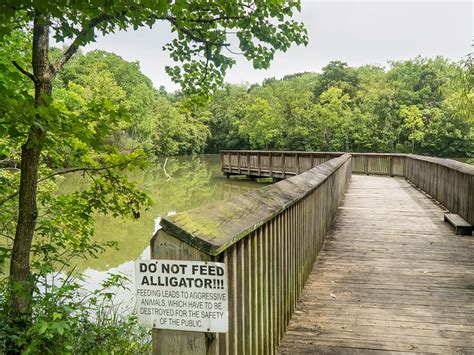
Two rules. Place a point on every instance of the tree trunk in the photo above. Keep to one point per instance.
(21, 286)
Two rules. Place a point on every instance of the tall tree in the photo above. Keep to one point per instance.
(202, 31)
(340, 75)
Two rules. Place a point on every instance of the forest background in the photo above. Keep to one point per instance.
(422, 106)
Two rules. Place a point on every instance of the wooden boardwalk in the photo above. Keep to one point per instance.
(391, 277)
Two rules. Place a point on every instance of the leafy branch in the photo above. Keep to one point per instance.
(83, 169)
(25, 72)
(71, 170)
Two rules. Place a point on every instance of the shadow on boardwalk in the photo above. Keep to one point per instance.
(391, 277)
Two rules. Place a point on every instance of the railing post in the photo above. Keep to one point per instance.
(366, 165)
(390, 166)
(312, 160)
(222, 162)
(271, 164)
(297, 163)
(259, 164)
(238, 163)
(248, 163)
(283, 165)
(405, 166)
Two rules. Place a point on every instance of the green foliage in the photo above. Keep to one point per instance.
(201, 27)
(156, 122)
(226, 111)
(101, 116)
(69, 319)
(79, 118)
(126, 74)
(259, 123)
(421, 105)
(263, 28)
(179, 130)
(412, 121)
(337, 74)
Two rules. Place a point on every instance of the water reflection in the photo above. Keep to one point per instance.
(192, 182)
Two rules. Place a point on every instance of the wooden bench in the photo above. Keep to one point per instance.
(460, 225)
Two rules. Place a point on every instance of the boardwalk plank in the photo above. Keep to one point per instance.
(392, 277)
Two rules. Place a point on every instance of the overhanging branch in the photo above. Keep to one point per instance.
(192, 35)
(74, 170)
(78, 41)
(67, 171)
(93, 23)
(23, 71)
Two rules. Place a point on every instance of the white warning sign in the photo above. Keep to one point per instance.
(182, 295)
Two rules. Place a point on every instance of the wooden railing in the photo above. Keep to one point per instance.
(269, 239)
(282, 164)
(448, 181)
(277, 164)
(391, 164)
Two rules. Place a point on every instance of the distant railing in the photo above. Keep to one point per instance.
(391, 164)
(275, 164)
(282, 164)
(449, 182)
(269, 239)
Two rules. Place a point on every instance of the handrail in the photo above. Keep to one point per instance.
(269, 240)
(280, 152)
(300, 152)
(449, 182)
(282, 164)
(448, 163)
(214, 228)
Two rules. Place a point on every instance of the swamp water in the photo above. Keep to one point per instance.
(188, 182)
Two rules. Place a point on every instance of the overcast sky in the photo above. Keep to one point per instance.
(356, 32)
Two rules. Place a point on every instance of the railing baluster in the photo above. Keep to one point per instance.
(248, 163)
(238, 163)
(259, 164)
(271, 164)
(297, 163)
(283, 166)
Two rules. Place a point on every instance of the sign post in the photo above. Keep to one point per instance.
(170, 341)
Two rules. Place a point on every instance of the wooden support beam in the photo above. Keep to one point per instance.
(283, 166)
(238, 163)
(259, 164)
(248, 163)
(297, 163)
(271, 164)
